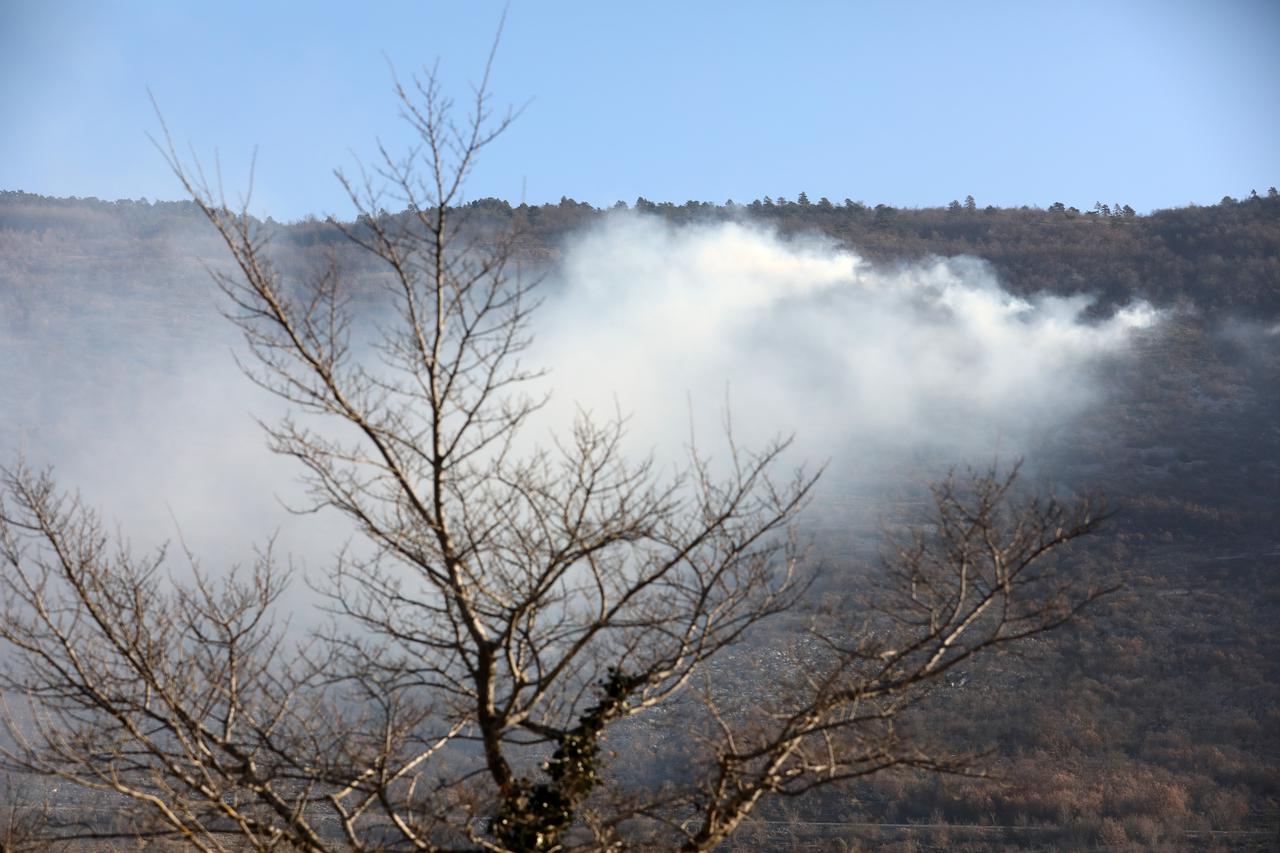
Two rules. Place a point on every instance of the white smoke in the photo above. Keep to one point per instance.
(863, 363)
(803, 336)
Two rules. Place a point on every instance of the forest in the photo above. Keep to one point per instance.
(1221, 258)
(1150, 719)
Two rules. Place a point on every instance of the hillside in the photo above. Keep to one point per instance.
(1156, 720)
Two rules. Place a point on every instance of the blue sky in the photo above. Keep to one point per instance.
(1153, 103)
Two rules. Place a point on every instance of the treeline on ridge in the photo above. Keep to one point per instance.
(1223, 258)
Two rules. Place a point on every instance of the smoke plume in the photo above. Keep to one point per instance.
(801, 336)
(670, 325)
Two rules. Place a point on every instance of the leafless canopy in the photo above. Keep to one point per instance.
(507, 608)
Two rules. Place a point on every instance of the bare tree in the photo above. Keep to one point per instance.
(24, 818)
(506, 609)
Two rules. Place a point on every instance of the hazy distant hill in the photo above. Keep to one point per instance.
(1158, 716)
(1221, 258)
